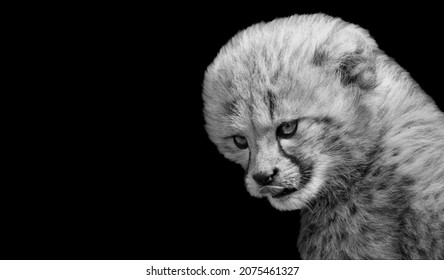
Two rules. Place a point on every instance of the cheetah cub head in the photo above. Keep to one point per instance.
(287, 101)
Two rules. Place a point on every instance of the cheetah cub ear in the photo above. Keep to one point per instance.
(349, 54)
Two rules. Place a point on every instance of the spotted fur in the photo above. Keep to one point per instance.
(366, 164)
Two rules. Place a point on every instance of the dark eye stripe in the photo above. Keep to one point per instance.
(305, 166)
(287, 129)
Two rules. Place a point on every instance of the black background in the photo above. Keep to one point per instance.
(124, 170)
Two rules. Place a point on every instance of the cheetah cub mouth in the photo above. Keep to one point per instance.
(276, 191)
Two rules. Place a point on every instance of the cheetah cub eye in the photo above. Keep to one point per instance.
(287, 129)
(240, 142)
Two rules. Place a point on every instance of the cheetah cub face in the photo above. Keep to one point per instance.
(286, 100)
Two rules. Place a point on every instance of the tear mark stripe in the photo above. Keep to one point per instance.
(305, 170)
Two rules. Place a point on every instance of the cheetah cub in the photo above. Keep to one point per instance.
(323, 121)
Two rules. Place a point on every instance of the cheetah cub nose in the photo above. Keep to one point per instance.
(263, 178)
